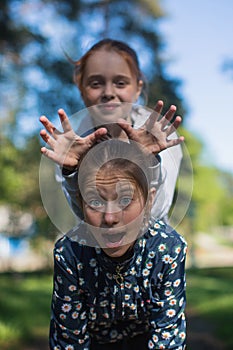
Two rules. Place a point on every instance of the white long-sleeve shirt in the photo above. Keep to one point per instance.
(168, 168)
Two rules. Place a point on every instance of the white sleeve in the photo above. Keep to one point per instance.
(170, 166)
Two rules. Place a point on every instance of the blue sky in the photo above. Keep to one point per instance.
(198, 35)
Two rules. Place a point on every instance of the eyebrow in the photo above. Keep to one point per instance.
(100, 76)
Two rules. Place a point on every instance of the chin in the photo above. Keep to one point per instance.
(117, 252)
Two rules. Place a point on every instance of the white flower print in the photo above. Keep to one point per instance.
(142, 243)
(81, 281)
(160, 276)
(155, 338)
(166, 335)
(162, 247)
(69, 347)
(173, 302)
(67, 298)
(75, 315)
(79, 306)
(138, 260)
(145, 272)
(174, 265)
(153, 232)
(150, 344)
(164, 235)
(62, 316)
(182, 335)
(72, 288)
(151, 254)
(66, 307)
(166, 258)
(149, 264)
(176, 283)
(160, 303)
(69, 271)
(113, 306)
(170, 313)
(167, 292)
(168, 284)
(133, 307)
(92, 262)
(83, 316)
(136, 289)
(79, 266)
(178, 249)
(181, 302)
(133, 271)
(59, 279)
(128, 285)
(57, 257)
(76, 332)
(146, 283)
(127, 297)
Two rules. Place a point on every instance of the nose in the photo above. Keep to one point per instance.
(108, 92)
(112, 215)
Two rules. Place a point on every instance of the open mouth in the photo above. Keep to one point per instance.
(113, 240)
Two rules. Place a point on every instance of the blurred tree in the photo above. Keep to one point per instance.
(36, 78)
(37, 34)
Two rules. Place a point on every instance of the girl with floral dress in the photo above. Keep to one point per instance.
(119, 276)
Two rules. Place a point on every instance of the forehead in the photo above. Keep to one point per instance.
(110, 182)
(106, 62)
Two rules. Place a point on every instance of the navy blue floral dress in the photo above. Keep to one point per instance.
(98, 299)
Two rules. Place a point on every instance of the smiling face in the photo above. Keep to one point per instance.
(114, 208)
(107, 82)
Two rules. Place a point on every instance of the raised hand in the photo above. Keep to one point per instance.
(154, 134)
(66, 148)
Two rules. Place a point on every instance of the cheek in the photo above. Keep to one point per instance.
(92, 217)
(90, 96)
(134, 215)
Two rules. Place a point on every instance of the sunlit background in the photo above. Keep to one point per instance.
(186, 53)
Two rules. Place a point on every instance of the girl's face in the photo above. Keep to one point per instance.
(108, 81)
(114, 208)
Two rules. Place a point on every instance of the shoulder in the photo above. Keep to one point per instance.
(163, 237)
(73, 246)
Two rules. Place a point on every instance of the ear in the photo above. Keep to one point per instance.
(151, 197)
(150, 200)
(139, 89)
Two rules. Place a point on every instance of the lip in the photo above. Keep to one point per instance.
(109, 107)
(113, 240)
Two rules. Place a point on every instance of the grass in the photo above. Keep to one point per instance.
(25, 305)
(210, 296)
(24, 309)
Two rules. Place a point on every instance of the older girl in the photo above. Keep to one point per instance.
(108, 77)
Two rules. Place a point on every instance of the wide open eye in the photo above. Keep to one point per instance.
(95, 203)
(125, 201)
